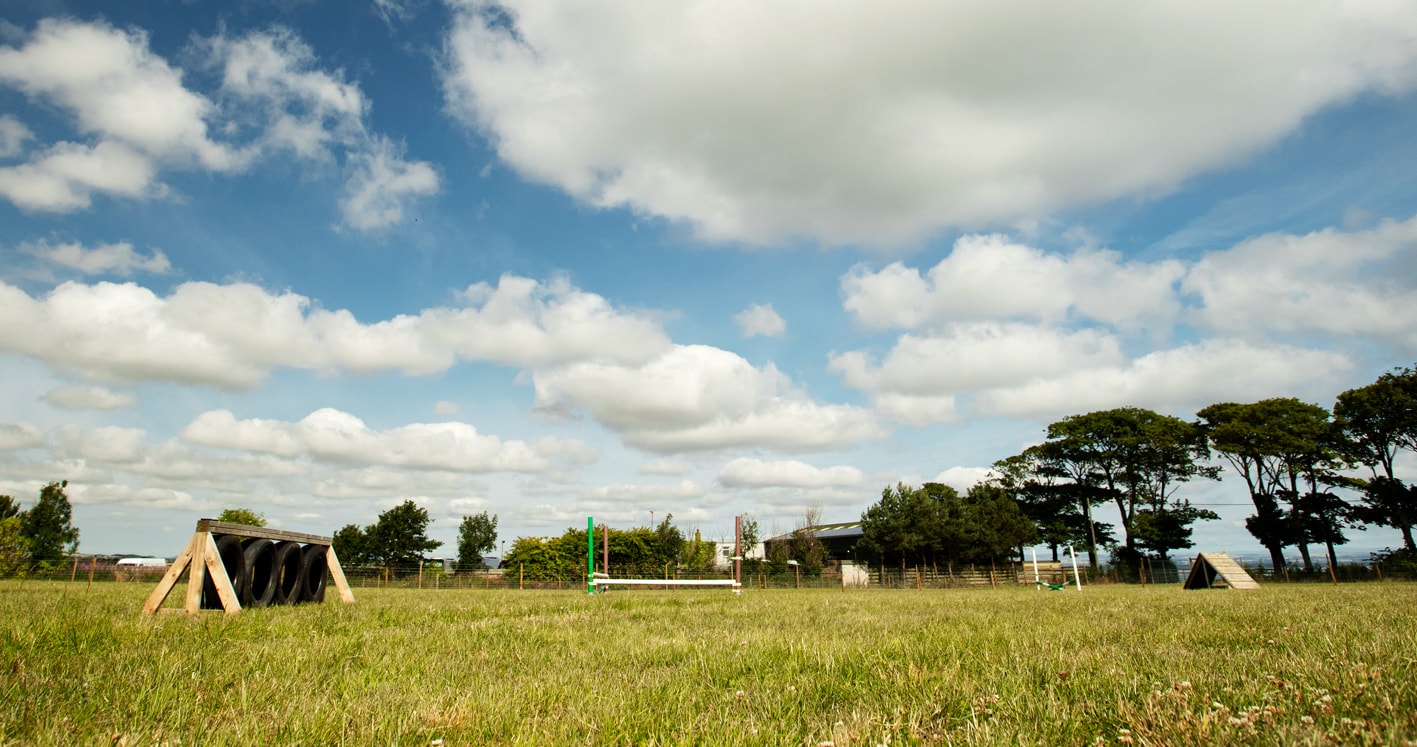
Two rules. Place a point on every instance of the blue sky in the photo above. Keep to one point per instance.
(554, 260)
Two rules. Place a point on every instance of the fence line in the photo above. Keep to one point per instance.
(433, 576)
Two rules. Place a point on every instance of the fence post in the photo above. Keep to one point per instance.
(93, 563)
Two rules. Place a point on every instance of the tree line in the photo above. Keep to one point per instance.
(39, 536)
(400, 537)
(1298, 461)
(637, 552)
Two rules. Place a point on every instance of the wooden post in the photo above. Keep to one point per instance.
(75, 570)
(93, 563)
(520, 567)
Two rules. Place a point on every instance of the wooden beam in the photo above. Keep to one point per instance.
(337, 573)
(169, 579)
(197, 574)
(224, 589)
(223, 527)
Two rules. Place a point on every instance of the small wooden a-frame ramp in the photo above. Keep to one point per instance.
(1212, 566)
(201, 557)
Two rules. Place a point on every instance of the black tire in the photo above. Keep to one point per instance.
(260, 572)
(233, 559)
(290, 573)
(315, 572)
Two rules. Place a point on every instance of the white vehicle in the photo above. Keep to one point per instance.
(142, 563)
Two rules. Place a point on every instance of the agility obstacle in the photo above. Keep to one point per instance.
(1040, 584)
(231, 565)
(596, 580)
(1217, 569)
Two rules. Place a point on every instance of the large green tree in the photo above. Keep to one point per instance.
(1284, 449)
(48, 526)
(1161, 530)
(903, 526)
(351, 545)
(934, 524)
(994, 526)
(1054, 503)
(1140, 457)
(401, 535)
(1379, 421)
(477, 534)
(9, 507)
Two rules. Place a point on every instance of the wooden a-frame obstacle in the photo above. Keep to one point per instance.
(1210, 566)
(200, 555)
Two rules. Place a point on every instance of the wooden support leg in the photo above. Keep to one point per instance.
(169, 579)
(197, 576)
(224, 589)
(337, 574)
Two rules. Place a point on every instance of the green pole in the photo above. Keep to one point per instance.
(590, 554)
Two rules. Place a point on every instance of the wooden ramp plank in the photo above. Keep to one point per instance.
(1213, 565)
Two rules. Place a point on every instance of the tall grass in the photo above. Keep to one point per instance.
(1124, 665)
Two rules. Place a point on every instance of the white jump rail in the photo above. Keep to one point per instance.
(599, 581)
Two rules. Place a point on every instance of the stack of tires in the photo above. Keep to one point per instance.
(265, 572)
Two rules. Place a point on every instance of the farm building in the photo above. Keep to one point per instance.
(839, 540)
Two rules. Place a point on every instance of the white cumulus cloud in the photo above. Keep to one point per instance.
(760, 319)
(700, 398)
(88, 398)
(334, 436)
(756, 473)
(14, 436)
(133, 116)
(766, 121)
(104, 259)
(233, 335)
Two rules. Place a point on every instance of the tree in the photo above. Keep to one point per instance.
(994, 525)
(1161, 530)
(699, 554)
(14, 549)
(1132, 455)
(476, 535)
(668, 541)
(934, 524)
(1051, 503)
(351, 545)
(900, 525)
(400, 535)
(1279, 447)
(1378, 421)
(48, 527)
(9, 507)
(243, 516)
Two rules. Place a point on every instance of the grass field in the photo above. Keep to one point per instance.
(1120, 664)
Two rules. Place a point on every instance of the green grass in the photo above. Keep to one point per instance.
(1155, 665)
